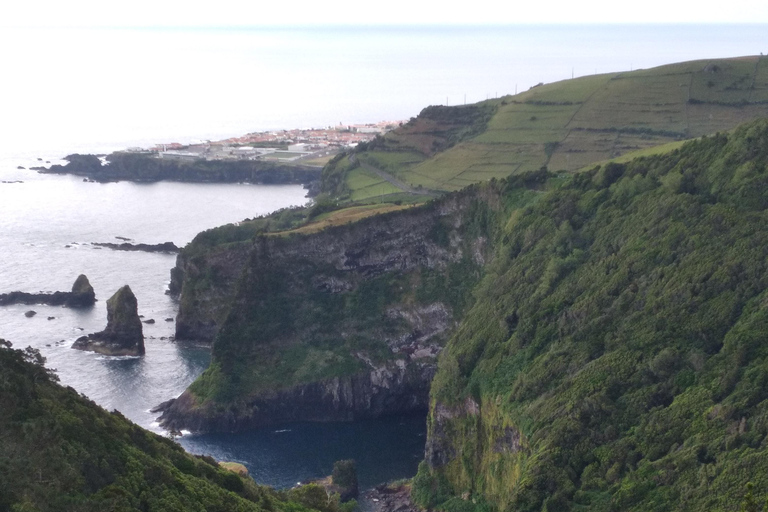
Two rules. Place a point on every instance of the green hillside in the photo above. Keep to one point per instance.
(564, 125)
(61, 452)
(615, 358)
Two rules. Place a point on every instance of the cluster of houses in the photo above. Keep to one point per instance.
(282, 145)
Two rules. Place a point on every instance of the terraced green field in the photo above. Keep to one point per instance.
(568, 125)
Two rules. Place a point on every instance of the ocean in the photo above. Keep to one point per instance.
(98, 90)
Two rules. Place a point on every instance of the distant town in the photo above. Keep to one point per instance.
(311, 146)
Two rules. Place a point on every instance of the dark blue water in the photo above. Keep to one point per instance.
(385, 449)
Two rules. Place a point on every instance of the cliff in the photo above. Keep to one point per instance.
(615, 357)
(600, 336)
(340, 324)
(148, 168)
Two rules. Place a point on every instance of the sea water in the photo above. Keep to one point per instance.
(96, 90)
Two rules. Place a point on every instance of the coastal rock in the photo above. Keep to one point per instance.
(398, 389)
(360, 311)
(146, 168)
(167, 247)
(30, 313)
(123, 335)
(388, 498)
(82, 295)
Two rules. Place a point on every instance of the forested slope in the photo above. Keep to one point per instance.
(616, 356)
(61, 452)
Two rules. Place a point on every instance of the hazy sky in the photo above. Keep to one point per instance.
(176, 13)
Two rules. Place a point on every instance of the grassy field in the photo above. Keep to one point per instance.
(343, 216)
(317, 161)
(571, 124)
(365, 185)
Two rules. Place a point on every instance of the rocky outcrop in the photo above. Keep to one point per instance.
(148, 168)
(81, 296)
(165, 247)
(388, 498)
(123, 335)
(399, 389)
(341, 324)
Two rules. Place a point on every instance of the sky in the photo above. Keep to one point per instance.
(243, 13)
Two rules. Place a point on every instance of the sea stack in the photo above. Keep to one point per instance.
(123, 335)
(82, 294)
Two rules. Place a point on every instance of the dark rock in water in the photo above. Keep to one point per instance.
(123, 335)
(150, 321)
(168, 247)
(124, 239)
(51, 318)
(20, 167)
(169, 319)
(81, 296)
(30, 313)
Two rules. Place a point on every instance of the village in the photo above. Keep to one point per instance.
(314, 146)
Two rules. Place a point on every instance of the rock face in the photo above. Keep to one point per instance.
(123, 335)
(337, 325)
(81, 296)
(373, 394)
(388, 498)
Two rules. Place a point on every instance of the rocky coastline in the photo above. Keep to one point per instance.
(81, 296)
(383, 391)
(372, 297)
(165, 247)
(138, 167)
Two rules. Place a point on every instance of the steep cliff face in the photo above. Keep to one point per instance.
(389, 389)
(615, 356)
(340, 324)
(209, 280)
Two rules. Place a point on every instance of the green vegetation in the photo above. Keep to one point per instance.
(615, 355)
(60, 451)
(565, 125)
(609, 352)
